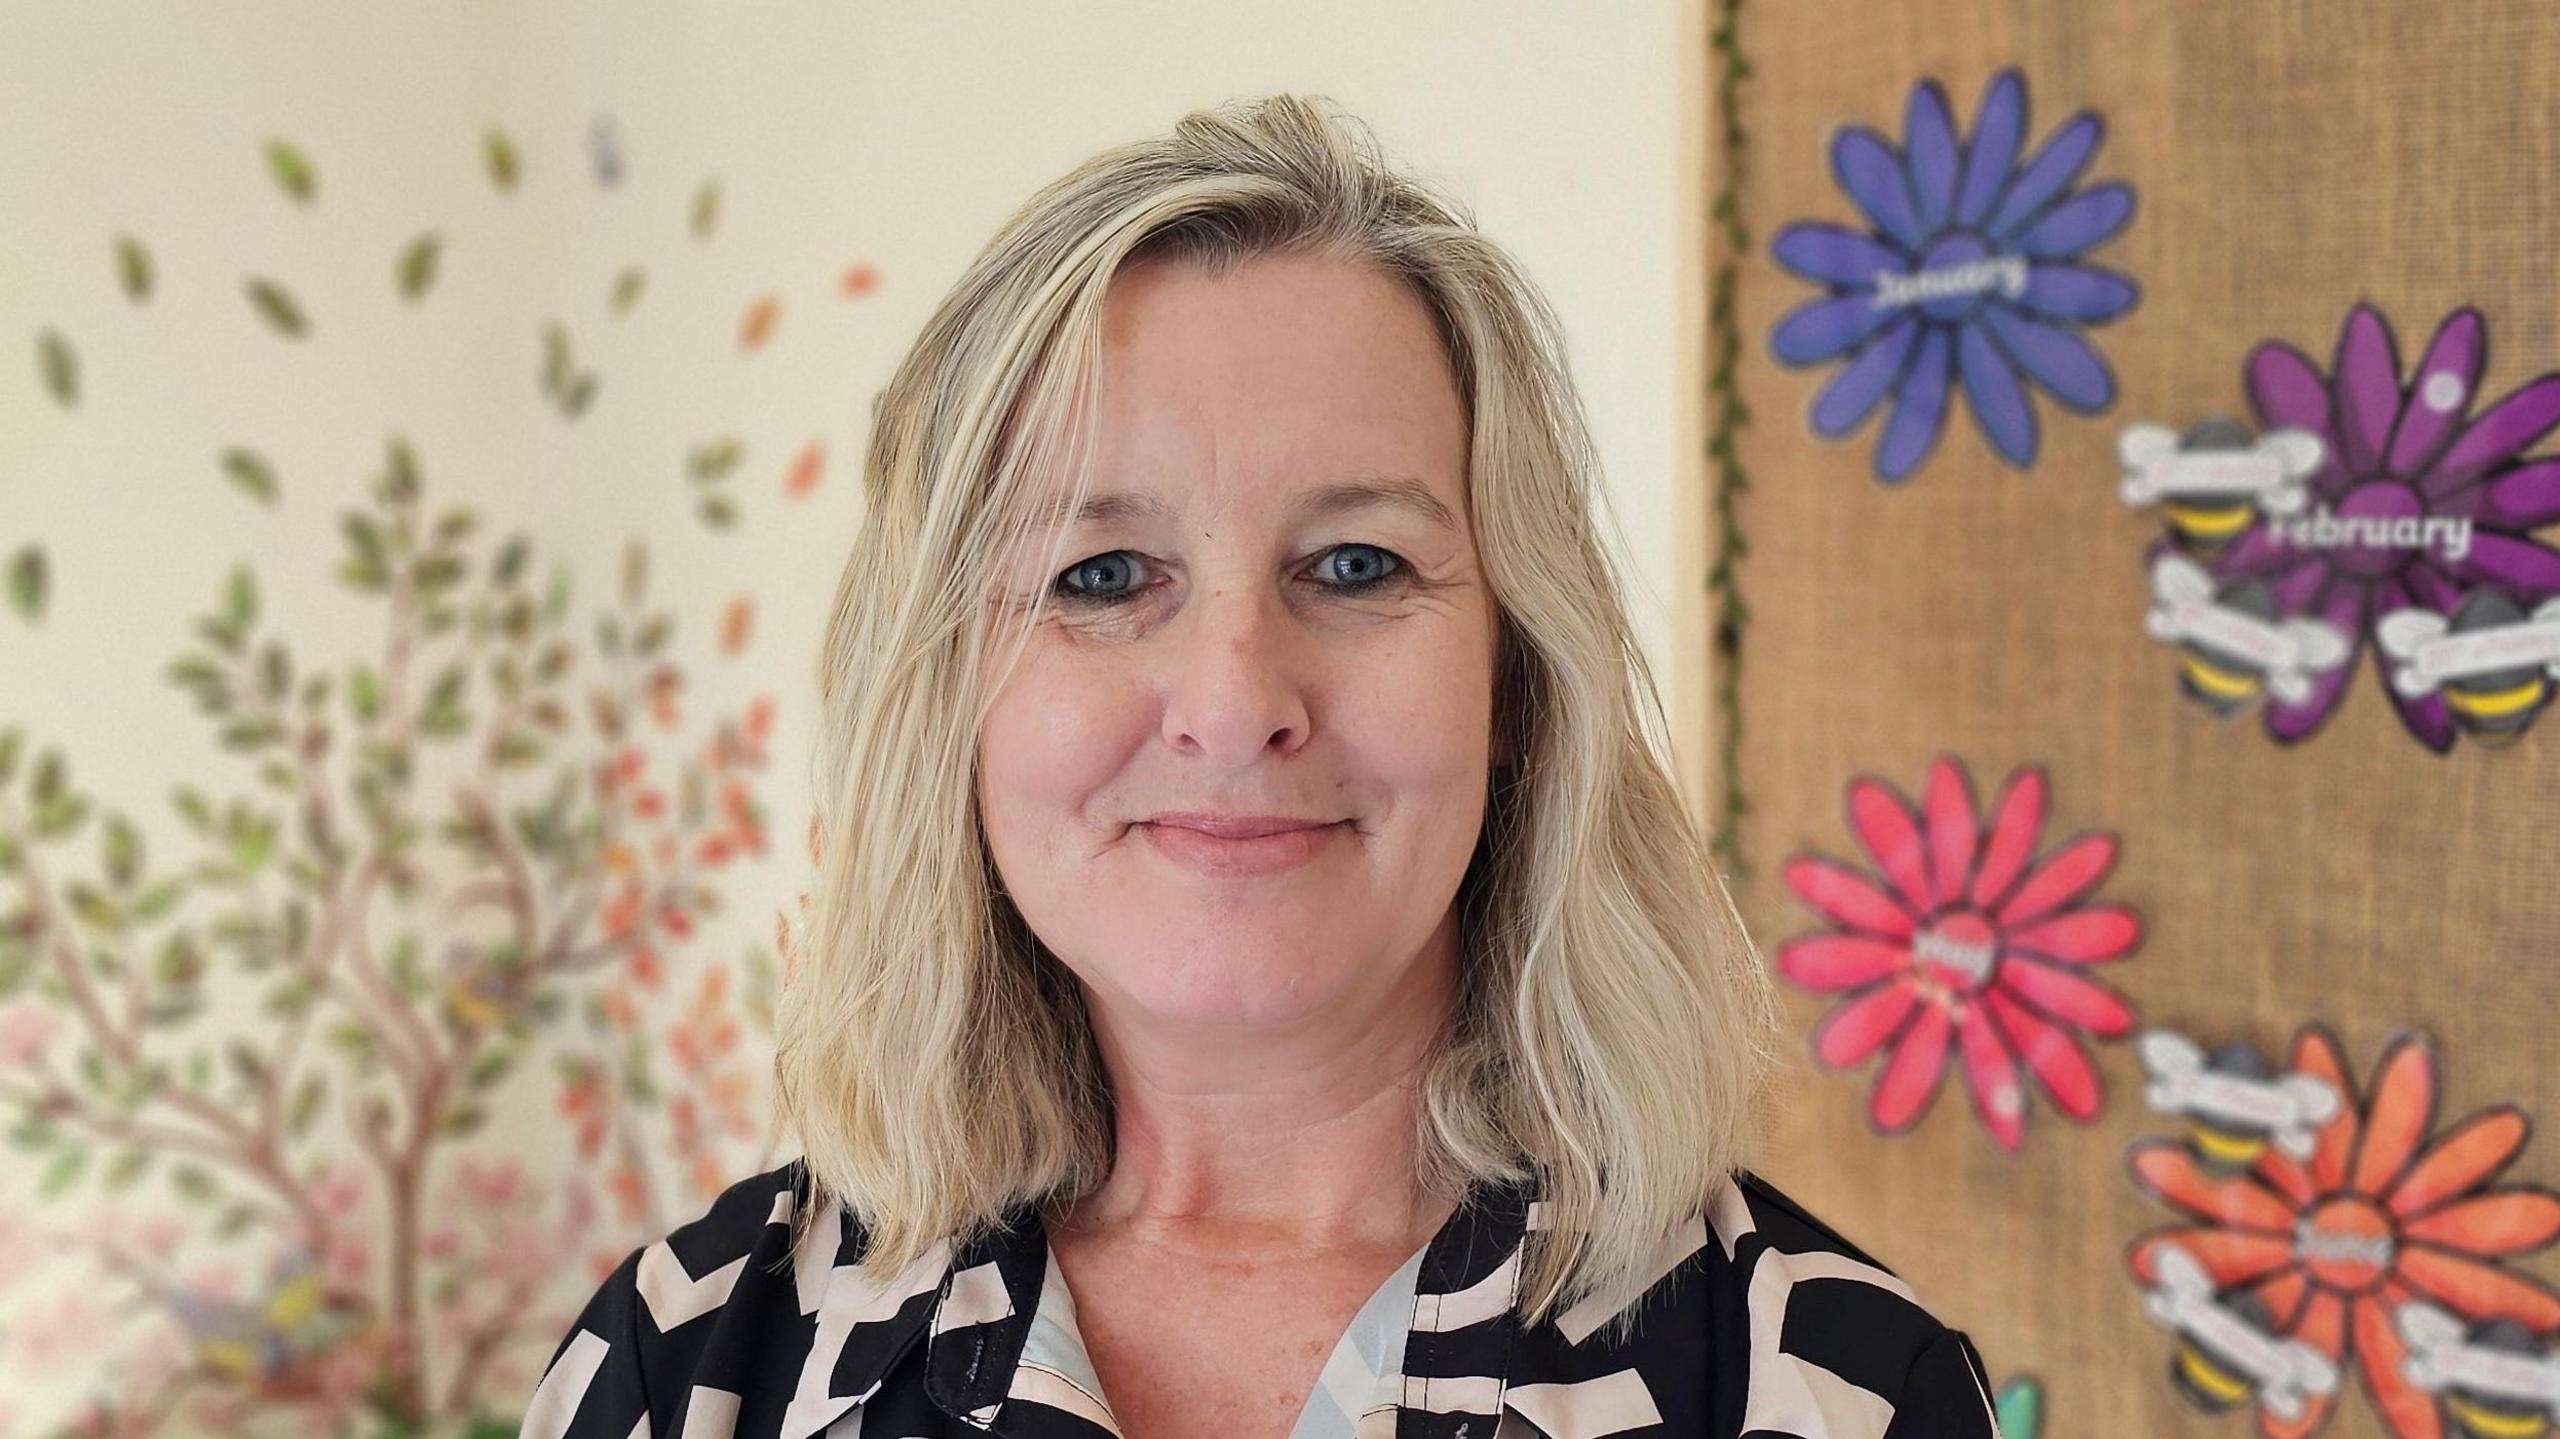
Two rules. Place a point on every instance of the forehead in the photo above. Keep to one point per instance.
(1281, 376)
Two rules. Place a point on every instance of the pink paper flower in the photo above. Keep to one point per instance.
(1972, 948)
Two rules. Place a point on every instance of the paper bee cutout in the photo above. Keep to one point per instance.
(2493, 1381)
(2493, 663)
(2212, 481)
(2233, 643)
(2234, 1102)
(2226, 1354)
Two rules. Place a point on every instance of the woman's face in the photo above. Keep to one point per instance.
(1238, 773)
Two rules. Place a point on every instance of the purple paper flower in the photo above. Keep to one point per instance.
(1968, 273)
(2416, 505)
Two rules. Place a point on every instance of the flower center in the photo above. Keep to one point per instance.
(1958, 950)
(1953, 275)
(2376, 530)
(2346, 1243)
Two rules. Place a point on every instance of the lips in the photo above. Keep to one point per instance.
(1240, 846)
(1235, 826)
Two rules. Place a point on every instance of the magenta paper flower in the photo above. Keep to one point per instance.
(1966, 945)
(2411, 453)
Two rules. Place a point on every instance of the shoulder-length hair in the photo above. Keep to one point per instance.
(1612, 1023)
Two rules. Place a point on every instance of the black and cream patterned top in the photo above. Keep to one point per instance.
(1763, 1323)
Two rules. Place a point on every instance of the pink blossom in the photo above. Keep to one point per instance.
(26, 1028)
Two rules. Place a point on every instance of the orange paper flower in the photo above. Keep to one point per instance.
(2384, 1210)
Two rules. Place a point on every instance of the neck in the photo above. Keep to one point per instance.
(1302, 1140)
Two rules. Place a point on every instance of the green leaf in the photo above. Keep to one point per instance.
(133, 268)
(364, 693)
(718, 512)
(490, 1067)
(626, 290)
(713, 459)
(28, 581)
(706, 209)
(498, 156)
(555, 358)
(122, 851)
(155, 902)
(127, 1167)
(417, 269)
(306, 1105)
(252, 473)
(240, 598)
(193, 1182)
(399, 481)
(292, 170)
(91, 907)
(59, 366)
(511, 557)
(277, 307)
(581, 392)
(64, 1172)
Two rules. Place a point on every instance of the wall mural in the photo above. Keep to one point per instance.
(473, 870)
(1967, 270)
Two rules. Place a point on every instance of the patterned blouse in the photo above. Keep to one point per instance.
(1762, 1323)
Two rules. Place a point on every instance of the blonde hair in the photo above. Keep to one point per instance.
(1612, 1024)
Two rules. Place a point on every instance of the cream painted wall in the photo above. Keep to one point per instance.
(899, 134)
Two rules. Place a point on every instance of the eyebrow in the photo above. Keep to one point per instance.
(1402, 492)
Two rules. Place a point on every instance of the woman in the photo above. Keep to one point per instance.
(1263, 981)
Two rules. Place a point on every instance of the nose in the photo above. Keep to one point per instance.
(1234, 683)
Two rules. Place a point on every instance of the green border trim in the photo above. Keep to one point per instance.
(1727, 417)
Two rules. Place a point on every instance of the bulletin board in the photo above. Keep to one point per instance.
(2139, 460)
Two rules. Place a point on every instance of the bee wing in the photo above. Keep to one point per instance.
(2402, 632)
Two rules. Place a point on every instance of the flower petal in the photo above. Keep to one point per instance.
(2507, 1221)
(2503, 431)
(2462, 1159)
(1992, 1076)
(1999, 122)
(1919, 410)
(2524, 498)
(1872, 174)
(1999, 403)
(1829, 961)
(1909, 1079)
(1946, 807)
(2093, 934)
(1835, 254)
(2055, 165)
(2053, 1055)
(2168, 1170)
(1847, 396)
(2406, 1411)
(2070, 871)
(2440, 393)
(2315, 1053)
(1891, 834)
(2230, 1256)
(2365, 379)
(2398, 1114)
(2322, 1324)
(2053, 357)
(2344, 611)
(2529, 568)
(1856, 1025)
(2080, 294)
(2427, 718)
(1845, 896)
(2477, 1289)
(1930, 133)
(2285, 388)
(2068, 996)
(1826, 328)
(2016, 818)
(2082, 222)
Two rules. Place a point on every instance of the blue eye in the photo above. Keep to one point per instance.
(1367, 573)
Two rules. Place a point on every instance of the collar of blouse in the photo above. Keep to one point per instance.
(975, 1308)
